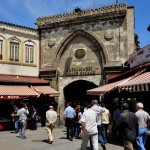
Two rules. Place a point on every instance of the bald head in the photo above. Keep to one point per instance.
(51, 107)
(94, 102)
(140, 105)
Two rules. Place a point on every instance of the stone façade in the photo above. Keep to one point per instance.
(104, 36)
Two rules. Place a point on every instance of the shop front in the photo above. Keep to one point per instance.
(29, 90)
(131, 90)
(10, 95)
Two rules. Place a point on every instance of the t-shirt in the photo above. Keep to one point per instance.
(51, 117)
(98, 110)
(22, 113)
(79, 117)
(69, 112)
(89, 118)
(105, 116)
(116, 113)
(143, 118)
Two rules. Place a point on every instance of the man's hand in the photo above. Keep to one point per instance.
(26, 107)
(81, 133)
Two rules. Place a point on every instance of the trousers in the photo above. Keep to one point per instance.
(101, 135)
(141, 140)
(128, 145)
(22, 128)
(94, 139)
(49, 131)
(69, 126)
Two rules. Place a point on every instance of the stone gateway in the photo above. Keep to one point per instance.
(79, 50)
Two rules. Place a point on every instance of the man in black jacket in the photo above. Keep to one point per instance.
(128, 126)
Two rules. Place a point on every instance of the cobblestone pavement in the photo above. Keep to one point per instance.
(36, 140)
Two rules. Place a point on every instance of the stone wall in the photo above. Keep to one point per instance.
(64, 81)
(104, 37)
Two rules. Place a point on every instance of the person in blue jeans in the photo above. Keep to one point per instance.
(69, 115)
(15, 118)
(143, 119)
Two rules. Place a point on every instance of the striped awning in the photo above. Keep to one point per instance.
(106, 88)
(46, 90)
(15, 92)
(137, 84)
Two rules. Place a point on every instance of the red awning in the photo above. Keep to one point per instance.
(22, 79)
(106, 88)
(15, 92)
(137, 84)
(46, 90)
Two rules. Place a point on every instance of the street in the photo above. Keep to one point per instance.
(36, 140)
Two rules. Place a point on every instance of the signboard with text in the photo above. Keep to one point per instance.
(81, 71)
(11, 97)
(140, 57)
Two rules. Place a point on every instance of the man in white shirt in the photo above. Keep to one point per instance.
(99, 110)
(143, 119)
(89, 129)
(22, 113)
(106, 119)
(51, 117)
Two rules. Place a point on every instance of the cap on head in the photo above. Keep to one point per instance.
(125, 106)
(140, 105)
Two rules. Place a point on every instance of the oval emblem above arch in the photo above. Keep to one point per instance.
(89, 35)
(81, 54)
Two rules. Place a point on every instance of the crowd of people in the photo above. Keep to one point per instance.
(94, 124)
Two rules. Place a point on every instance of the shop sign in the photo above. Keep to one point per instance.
(80, 71)
(140, 57)
(11, 97)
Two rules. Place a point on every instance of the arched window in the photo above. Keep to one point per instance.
(14, 50)
(1, 48)
(29, 52)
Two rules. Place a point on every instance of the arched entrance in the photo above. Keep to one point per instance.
(76, 92)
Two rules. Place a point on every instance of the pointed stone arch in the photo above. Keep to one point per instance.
(89, 35)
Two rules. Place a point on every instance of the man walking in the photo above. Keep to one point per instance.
(128, 126)
(15, 118)
(51, 117)
(99, 110)
(143, 119)
(22, 113)
(33, 118)
(89, 129)
(106, 119)
(69, 115)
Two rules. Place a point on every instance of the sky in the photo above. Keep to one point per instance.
(25, 12)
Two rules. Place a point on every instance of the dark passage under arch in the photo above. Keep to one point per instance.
(75, 92)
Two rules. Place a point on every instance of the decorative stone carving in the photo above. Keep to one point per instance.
(80, 53)
(108, 36)
(101, 12)
(51, 43)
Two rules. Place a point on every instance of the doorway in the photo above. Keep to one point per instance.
(75, 92)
